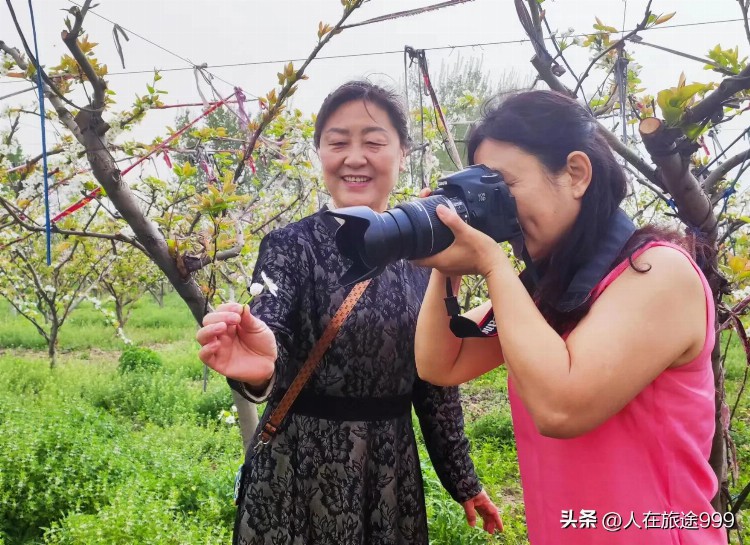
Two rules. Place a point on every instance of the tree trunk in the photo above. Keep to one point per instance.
(52, 344)
(248, 416)
(695, 210)
(93, 128)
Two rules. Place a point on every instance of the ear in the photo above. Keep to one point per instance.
(579, 169)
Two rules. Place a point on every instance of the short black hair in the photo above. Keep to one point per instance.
(363, 90)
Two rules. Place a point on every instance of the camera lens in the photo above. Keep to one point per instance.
(427, 234)
(411, 230)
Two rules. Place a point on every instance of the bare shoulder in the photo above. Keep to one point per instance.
(664, 267)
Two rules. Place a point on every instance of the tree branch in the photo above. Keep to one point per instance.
(193, 263)
(713, 103)
(62, 112)
(640, 26)
(630, 156)
(693, 205)
(709, 184)
(289, 88)
(71, 41)
(542, 61)
(37, 65)
(744, 6)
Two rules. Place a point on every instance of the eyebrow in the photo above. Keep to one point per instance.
(346, 132)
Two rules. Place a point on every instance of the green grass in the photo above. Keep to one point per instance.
(91, 456)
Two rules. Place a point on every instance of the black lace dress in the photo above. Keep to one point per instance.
(344, 468)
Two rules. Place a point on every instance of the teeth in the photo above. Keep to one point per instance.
(356, 179)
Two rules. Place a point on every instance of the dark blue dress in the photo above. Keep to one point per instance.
(332, 475)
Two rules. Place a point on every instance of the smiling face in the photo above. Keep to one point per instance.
(361, 155)
(548, 203)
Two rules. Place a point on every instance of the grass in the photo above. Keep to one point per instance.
(89, 456)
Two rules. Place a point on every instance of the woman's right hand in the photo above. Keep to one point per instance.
(237, 344)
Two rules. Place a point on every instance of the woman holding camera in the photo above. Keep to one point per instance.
(606, 338)
(343, 467)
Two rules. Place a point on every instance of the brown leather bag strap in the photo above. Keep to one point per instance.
(313, 359)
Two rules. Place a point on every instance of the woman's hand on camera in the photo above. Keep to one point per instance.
(482, 504)
(237, 344)
(472, 252)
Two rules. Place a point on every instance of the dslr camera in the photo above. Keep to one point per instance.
(412, 230)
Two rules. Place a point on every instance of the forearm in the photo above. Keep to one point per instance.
(441, 420)
(435, 347)
(536, 356)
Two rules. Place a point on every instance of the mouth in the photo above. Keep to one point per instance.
(356, 181)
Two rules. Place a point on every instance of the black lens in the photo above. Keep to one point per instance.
(427, 234)
(410, 231)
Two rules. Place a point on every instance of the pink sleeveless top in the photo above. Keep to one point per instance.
(643, 476)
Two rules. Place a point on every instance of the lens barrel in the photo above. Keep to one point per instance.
(411, 230)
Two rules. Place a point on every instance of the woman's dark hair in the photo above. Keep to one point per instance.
(550, 126)
(365, 91)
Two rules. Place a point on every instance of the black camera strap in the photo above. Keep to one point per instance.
(588, 275)
(463, 327)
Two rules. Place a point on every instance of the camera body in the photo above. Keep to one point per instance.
(481, 197)
(412, 230)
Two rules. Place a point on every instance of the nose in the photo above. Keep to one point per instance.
(356, 157)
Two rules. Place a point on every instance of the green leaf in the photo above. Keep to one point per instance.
(664, 18)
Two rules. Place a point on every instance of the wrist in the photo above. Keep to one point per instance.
(495, 261)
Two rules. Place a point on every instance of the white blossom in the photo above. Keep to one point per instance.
(256, 289)
(273, 288)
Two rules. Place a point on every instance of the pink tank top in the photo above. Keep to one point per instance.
(643, 476)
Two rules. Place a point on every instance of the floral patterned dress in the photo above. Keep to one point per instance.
(332, 475)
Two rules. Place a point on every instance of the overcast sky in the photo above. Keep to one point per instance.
(257, 31)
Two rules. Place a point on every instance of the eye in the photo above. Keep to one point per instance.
(376, 144)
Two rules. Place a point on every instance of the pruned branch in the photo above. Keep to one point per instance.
(543, 62)
(693, 205)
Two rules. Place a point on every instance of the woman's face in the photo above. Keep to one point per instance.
(361, 154)
(548, 203)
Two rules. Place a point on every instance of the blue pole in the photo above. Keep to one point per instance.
(40, 87)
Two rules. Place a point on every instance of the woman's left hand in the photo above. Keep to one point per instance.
(472, 252)
(482, 504)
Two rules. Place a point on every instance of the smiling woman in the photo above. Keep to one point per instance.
(343, 466)
(360, 148)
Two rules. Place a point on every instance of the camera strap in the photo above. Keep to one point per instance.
(463, 327)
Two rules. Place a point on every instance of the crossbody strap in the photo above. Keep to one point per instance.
(313, 359)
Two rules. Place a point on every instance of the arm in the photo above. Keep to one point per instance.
(442, 358)
(442, 422)
(641, 325)
(283, 259)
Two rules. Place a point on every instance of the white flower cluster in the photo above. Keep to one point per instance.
(109, 318)
(230, 417)
(742, 294)
(5, 61)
